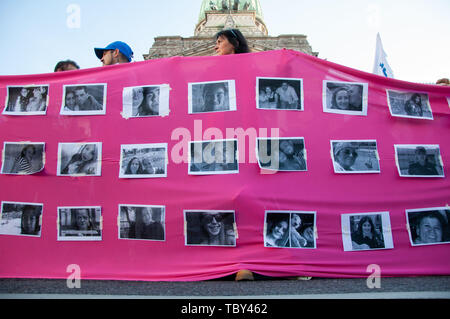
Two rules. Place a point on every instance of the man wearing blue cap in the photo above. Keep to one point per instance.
(114, 53)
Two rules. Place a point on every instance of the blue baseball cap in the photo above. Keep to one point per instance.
(122, 46)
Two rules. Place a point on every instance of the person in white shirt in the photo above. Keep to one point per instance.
(288, 98)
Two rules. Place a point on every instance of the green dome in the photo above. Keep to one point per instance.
(249, 5)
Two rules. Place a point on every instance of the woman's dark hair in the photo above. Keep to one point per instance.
(431, 214)
(335, 92)
(236, 38)
(206, 218)
(362, 221)
(144, 108)
(63, 65)
(274, 220)
(24, 150)
(413, 98)
(29, 210)
(128, 169)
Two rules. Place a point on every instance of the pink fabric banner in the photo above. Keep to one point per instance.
(382, 129)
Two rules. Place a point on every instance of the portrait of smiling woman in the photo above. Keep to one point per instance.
(210, 228)
(76, 159)
(145, 101)
(277, 230)
(366, 234)
(345, 97)
(428, 226)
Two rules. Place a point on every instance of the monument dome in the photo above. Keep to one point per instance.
(232, 5)
(217, 15)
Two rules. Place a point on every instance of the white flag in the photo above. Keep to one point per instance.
(381, 66)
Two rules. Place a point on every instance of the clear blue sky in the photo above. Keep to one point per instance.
(415, 33)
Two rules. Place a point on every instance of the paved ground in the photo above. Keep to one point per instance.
(227, 298)
(323, 288)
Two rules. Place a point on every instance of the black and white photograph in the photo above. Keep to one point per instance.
(419, 160)
(290, 229)
(217, 96)
(143, 160)
(279, 93)
(84, 99)
(282, 154)
(213, 157)
(21, 219)
(81, 223)
(146, 101)
(345, 97)
(210, 228)
(27, 100)
(23, 158)
(79, 159)
(366, 231)
(409, 104)
(428, 226)
(145, 222)
(355, 156)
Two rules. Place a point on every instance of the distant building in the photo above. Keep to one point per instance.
(216, 15)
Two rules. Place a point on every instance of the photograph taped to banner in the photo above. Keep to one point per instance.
(290, 229)
(345, 97)
(19, 218)
(366, 231)
(215, 96)
(409, 104)
(355, 156)
(146, 101)
(419, 160)
(213, 157)
(27, 100)
(279, 93)
(79, 223)
(79, 159)
(282, 154)
(142, 222)
(428, 226)
(23, 158)
(143, 160)
(210, 228)
(84, 99)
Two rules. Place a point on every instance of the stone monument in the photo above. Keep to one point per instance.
(216, 15)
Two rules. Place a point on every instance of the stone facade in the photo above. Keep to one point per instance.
(249, 22)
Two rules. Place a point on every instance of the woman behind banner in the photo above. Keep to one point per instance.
(230, 41)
